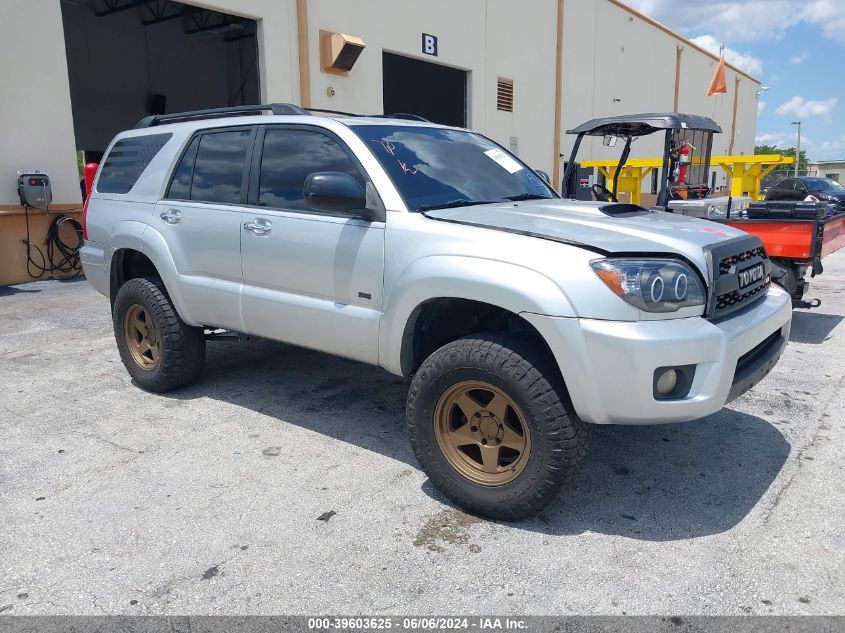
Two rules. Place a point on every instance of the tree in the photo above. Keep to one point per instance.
(771, 149)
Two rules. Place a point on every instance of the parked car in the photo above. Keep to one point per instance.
(823, 189)
(433, 252)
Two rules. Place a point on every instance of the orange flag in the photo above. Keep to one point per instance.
(718, 85)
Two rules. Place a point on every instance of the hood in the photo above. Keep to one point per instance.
(603, 227)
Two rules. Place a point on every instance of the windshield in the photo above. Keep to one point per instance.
(436, 168)
(824, 184)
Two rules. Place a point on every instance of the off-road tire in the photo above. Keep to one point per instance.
(182, 347)
(522, 368)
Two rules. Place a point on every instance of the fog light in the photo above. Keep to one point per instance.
(672, 383)
(666, 382)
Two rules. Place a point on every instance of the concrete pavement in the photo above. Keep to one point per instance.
(209, 500)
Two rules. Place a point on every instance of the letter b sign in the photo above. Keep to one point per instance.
(429, 44)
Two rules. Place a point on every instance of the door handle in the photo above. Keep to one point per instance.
(258, 227)
(171, 216)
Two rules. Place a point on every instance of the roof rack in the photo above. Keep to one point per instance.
(274, 108)
(213, 113)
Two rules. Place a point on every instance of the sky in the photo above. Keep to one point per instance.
(795, 47)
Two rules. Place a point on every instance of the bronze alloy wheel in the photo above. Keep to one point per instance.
(482, 433)
(142, 336)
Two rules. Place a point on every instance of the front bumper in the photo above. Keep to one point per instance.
(609, 366)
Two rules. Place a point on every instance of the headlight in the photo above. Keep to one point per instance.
(652, 285)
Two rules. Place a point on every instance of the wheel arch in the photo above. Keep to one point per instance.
(441, 320)
(127, 264)
(500, 291)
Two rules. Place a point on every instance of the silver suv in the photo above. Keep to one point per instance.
(435, 253)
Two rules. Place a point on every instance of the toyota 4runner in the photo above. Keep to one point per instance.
(433, 252)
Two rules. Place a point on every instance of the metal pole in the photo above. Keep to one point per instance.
(570, 168)
(663, 193)
(797, 148)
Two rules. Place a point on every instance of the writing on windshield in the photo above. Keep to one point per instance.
(436, 167)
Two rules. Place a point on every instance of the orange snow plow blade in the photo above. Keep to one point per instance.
(797, 239)
(834, 235)
(781, 239)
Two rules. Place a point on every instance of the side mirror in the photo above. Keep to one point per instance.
(544, 175)
(336, 192)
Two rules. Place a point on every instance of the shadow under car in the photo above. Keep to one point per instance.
(661, 482)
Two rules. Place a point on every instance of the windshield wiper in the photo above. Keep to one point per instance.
(454, 203)
(528, 196)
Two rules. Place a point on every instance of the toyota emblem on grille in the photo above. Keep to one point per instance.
(751, 275)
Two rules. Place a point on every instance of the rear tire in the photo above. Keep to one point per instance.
(500, 395)
(159, 350)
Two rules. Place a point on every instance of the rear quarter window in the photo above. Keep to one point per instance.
(127, 160)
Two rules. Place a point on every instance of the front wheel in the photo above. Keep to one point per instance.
(492, 426)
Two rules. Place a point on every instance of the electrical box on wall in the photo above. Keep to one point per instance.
(339, 52)
(34, 189)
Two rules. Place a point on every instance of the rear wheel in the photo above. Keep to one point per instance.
(492, 425)
(159, 350)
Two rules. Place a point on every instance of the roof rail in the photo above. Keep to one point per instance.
(404, 115)
(398, 115)
(213, 113)
(309, 110)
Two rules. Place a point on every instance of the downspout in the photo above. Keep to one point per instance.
(733, 120)
(304, 61)
(558, 94)
(678, 52)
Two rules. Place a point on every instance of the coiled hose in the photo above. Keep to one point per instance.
(69, 265)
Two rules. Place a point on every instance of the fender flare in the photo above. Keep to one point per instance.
(146, 240)
(508, 286)
(124, 235)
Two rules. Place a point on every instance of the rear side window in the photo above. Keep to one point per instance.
(212, 168)
(180, 186)
(127, 160)
(289, 156)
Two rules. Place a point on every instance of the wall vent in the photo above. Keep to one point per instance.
(504, 95)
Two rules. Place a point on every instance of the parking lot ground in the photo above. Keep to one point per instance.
(218, 498)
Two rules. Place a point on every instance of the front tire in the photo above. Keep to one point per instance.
(492, 426)
(159, 350)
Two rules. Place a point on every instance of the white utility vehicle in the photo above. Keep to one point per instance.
(435, 253)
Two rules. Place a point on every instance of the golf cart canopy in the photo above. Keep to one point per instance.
(686, 152)
(643, 124)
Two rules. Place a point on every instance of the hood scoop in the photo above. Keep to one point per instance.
(623, 210)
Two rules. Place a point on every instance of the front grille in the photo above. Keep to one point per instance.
(732, 298)
(726, 262)
(729, 259)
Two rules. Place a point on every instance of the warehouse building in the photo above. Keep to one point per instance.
(75, 72)
(833, 169)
